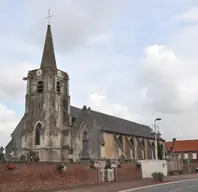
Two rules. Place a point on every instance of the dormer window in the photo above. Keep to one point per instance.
(40, 86)
(58, 87)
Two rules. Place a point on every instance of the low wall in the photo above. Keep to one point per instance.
(32, 177)
(150, 166)
(129, 172)
(194, 164)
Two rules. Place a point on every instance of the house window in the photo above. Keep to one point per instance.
(58, 87)
(194, 155)
(40, 86)
(185, 155)
(179, 155)
(37, 134)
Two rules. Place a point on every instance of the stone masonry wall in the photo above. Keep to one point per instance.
(32, 177)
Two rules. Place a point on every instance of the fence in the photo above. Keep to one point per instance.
(174, 164)
(107, 175)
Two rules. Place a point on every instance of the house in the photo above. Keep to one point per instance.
(186, 149)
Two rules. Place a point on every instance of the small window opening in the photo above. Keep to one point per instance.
(40, 87)
(58, 87)
(37, 134)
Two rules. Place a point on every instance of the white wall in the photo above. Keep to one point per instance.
(150, 166)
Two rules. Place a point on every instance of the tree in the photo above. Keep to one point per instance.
(160, 151)
(2, 156)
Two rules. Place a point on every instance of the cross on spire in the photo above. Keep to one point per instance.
(49, 16)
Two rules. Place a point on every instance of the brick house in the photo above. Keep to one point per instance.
(186, 149)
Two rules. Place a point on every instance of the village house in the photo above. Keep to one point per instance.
(185, 149)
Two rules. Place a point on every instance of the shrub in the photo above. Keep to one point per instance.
(138, 165)
(155, 176)
(91, 161)
(71, 158)
(60, 167)
(158, 176)
(180, 172)
(36, 158)
(91, 166)
(170, 173)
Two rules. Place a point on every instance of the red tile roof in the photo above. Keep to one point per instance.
(184, 145)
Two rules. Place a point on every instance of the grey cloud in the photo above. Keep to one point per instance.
(74, 21)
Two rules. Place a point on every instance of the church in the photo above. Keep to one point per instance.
(53, 128)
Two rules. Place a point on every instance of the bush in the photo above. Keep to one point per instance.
(170, 173)
(138, 165)
(158, 176)
(180, 172)
(36, 158)
(60, 167)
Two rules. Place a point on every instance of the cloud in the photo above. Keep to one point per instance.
(8, 122)
(74, 22)
(169, 81)
(191, 15)
(12, 86)
(102, 104)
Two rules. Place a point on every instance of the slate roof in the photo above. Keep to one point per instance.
(114, 124)
(184, 145)
(48, 57)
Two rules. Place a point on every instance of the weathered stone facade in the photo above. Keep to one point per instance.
(53, 128)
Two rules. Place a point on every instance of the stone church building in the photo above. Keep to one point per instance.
(53, 128)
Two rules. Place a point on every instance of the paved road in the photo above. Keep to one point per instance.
(184, 186)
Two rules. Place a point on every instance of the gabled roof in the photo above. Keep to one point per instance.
(183, 145)
(114, 124)
(48, 58)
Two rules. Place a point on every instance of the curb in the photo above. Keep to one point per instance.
(155, 185)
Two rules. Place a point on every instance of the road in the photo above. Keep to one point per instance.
(184, 186)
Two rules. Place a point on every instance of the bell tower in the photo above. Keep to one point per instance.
(47, 107)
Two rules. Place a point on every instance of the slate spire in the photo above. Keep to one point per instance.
(48, 58)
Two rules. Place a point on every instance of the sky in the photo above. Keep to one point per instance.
(135, 59)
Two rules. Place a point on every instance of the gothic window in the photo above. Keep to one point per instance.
(58, 87)
(40, 86)
(37, 134)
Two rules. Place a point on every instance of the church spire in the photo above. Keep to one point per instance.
(48, 58)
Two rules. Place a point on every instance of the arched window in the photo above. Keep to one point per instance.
(37, 134)
(40, 86)
(58, 87)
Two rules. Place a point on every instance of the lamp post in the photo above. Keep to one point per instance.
(156, 133)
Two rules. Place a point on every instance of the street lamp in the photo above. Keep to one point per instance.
(156, 133)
